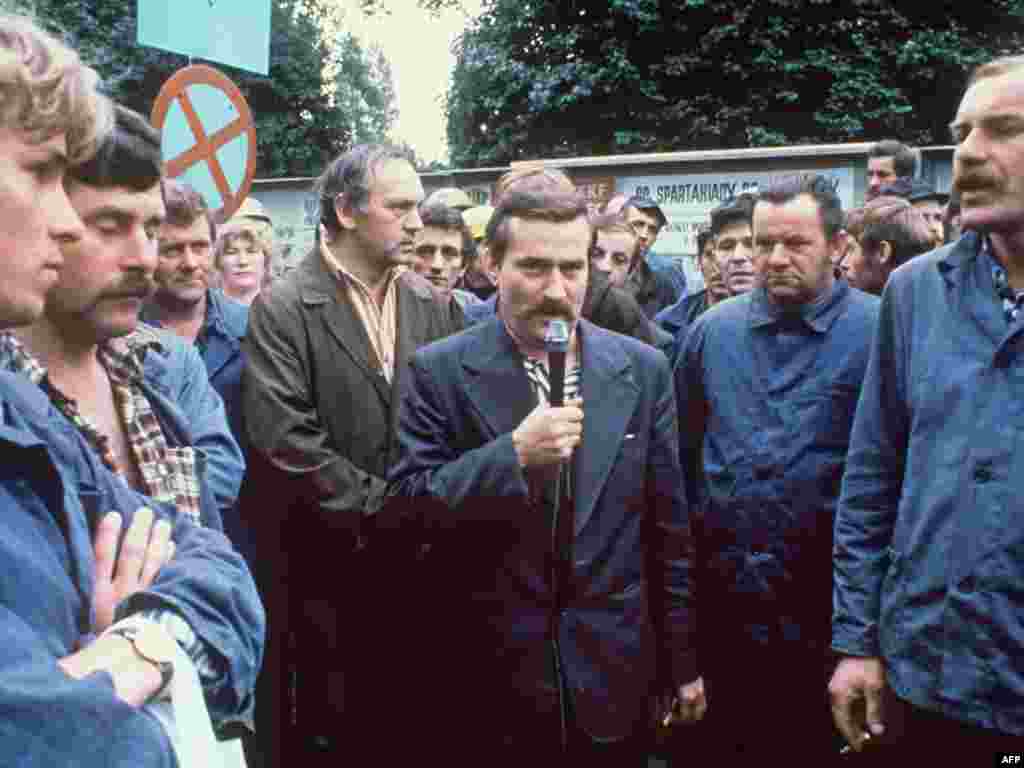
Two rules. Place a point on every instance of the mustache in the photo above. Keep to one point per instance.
(974, 181)
(135, 290)
(555, 309)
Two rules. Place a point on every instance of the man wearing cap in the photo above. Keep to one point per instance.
(932, 205)
(656, 282)
(449, 197)
(476, 279)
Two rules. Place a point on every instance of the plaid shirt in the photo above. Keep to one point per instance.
(168, 474)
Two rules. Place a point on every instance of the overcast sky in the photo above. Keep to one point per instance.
(418, 46)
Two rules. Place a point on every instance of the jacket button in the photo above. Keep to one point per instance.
(967, 585)
(982, 474)
(763, 472)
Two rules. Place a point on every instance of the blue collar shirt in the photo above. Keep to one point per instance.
(766, 400)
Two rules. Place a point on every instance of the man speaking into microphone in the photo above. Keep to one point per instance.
(551, 615)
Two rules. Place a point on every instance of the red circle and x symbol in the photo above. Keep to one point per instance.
(205, 148)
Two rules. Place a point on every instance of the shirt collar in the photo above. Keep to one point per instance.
(818, 315)
(336, 268)
(16, 358)
(124, 357)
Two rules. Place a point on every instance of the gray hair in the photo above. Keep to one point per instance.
(350, 175)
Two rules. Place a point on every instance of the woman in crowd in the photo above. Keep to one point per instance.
(242, 257)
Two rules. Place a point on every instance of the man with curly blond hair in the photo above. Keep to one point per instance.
(95, 627)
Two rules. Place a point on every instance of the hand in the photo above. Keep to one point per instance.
(686, 705)
(856, 694)
(692, 701)
(549, 435)
(135, 680)
(147, 546)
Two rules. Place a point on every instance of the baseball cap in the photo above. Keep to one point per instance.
(921, 190)
(476, 219)
(451, 197)
(251, 208)
(647, 205)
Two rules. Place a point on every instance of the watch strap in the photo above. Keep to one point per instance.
(182, 711)
(131, 633)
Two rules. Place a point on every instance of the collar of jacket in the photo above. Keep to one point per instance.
(219, 320)
(317, 285)
(956, 258)
(676, 317)
(818, 316)
(641, 277)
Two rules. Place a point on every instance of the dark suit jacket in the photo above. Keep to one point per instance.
(319, 419)
(458, 481)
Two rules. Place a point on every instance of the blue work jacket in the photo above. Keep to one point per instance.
(766, 404)
(223, 329)
(655, 284)
(191, 413)
(53, 491)
(675, 320)
(672, 270)
(929, 560)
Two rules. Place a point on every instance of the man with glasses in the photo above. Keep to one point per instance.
(326, 349)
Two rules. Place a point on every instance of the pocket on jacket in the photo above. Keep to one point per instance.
(827, 417)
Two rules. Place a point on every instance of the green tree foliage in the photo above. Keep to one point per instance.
(554, 78)
(364, 90)
(304, 117)
(371, 7)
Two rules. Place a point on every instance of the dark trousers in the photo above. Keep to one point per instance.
(765, 704)
(916, 736)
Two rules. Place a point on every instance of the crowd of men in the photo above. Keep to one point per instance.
(490, 484)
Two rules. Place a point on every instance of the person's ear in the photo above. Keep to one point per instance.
(885, 253)
(837, 252)
(344, 211)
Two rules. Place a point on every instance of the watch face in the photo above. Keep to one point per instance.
(153, 642)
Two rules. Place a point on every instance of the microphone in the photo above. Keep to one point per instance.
(556, 341)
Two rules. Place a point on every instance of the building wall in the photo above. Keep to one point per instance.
(686, 185)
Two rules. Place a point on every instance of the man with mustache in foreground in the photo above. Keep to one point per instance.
(545, 642)
(929, 577)
(766, 384)
(139, 396)
(80, 685)
(327, 348)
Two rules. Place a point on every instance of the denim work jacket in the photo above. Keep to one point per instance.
(220, 345)
(766, 403)
(676, 319)
(929, 561)
(191, 412)
(53, 490)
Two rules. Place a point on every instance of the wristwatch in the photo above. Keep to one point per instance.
(153, 644)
